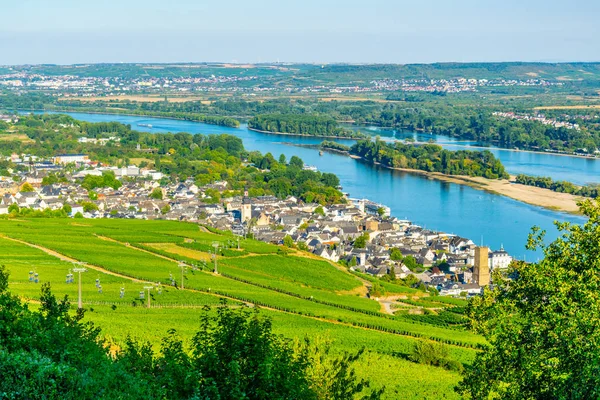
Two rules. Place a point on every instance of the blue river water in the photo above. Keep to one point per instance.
(483, 217)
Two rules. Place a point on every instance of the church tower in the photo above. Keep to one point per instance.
(481, 271)
(246, 207)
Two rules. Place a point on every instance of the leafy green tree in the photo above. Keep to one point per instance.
(67, 208)
(296, 162)
(396, 254)
(165, 209)
(288, 241)
(411, 263)
(320, 211)
(391, 274)
(238, 356)
(361, 241)
(89, 206)
(13, 208)
(282, 159)
(542, 321)
(26, 188)
(157, 194)
(333, 376)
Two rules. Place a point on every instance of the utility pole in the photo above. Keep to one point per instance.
(148, 289)
(216, 246)
(79, 270)
(182, 266)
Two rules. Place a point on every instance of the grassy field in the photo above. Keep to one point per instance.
(304, 296)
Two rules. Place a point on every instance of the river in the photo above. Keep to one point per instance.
(483, 217)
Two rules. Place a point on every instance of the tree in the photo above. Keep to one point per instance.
(391, 273)
(67, 208)
(288, 241)
(396, 254)
(282, 159)
(296, 162)
(157, 194)
(320, 211)
(26, 188)
(542, 320)
(352, 262)
(411, 263)
(165, 209)
(381, 211)
(238, 356)
(361, 241)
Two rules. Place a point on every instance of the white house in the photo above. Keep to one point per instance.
(70, 158)
(499, 259)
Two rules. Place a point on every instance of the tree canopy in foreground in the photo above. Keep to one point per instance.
(51, 354)
(542, 321)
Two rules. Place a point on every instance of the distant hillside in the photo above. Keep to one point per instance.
(332, 73)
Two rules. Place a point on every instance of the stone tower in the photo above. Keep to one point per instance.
(246, 207)
(481, 271)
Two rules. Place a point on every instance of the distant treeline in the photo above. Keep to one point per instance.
(311, 125)
(186, 116)
(545, 182)
(427, 157)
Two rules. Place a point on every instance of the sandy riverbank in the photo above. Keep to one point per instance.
(527, 194)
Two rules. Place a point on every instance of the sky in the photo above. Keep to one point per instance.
(315, 31)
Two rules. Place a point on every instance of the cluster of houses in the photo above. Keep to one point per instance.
(437, 259)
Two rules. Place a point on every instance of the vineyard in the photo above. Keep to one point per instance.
(145, 277)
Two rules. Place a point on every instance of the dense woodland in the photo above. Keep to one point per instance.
(309, 125)
(427, 157)
(558, 186)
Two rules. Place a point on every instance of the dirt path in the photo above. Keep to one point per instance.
(136, 248)
(62, 257)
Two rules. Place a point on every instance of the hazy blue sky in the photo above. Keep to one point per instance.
(82, 31)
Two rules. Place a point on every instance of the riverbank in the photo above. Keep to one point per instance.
(535, 196)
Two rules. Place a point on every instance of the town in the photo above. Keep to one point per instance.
(359, 234)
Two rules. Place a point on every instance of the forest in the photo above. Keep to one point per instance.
(430, 158)
(310, 125)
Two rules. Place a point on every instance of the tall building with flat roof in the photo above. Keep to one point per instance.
(481, 270)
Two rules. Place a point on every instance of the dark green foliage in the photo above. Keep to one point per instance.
(107, 179)
(431, 158)
(542, 321)
(299, 124)
(361, 241)
(50, 354)
(431, 353)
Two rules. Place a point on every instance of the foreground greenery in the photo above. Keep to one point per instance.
(543, 321)
(49, 353)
